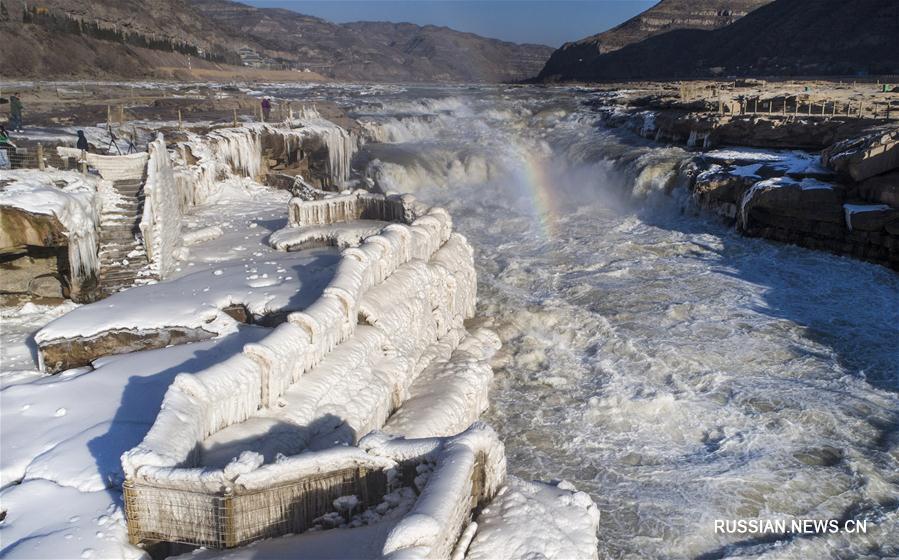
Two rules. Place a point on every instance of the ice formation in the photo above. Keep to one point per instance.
(383, 347)
(75, 205)
(161, 222)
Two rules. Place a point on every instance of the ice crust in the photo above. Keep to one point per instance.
(76, 205)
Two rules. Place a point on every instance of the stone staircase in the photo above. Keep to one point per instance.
(123, 259)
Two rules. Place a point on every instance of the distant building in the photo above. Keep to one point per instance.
(249, 57)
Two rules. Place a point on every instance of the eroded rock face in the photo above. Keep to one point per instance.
(34, 274)
(33, 255)
(722, 187)
(875, 219)
(796, 200)
(865, 157)
(60, 355)
(883, 189)
(20, 228)
(682, 122)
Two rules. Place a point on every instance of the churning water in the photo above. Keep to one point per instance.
(676, 371)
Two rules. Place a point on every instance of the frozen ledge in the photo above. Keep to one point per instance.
(392, 315)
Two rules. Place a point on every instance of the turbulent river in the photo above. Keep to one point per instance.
(678, 372)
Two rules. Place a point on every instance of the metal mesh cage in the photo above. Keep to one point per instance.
(226, 520)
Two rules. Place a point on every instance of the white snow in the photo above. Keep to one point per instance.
(794, 162)
(341, 235)
(537, 520)
(48, 521)
(18, 351)
(196, 300)
(201, 235)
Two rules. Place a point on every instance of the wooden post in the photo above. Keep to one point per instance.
(108, 116)
(228, 536)
(40, 156)
(861, 106)
(234, 120)
(180, 121)
(755, 105)
(848, 107)
(129, 500)
(83, 162)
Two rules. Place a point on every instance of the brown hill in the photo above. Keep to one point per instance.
(574, 60)
(375, 51)
(162, 38)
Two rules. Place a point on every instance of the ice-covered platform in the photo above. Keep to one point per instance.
(291, 407)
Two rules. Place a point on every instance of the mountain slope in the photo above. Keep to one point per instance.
(573, 60)
(783, 38)
(162, 38)
(375, 51)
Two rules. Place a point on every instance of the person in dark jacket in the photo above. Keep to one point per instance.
(82, 141)
(15, 113)
(266, 109)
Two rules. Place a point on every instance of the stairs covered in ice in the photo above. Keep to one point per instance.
(123, 259)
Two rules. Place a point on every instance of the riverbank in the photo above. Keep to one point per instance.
(301, 360)
(816, 165)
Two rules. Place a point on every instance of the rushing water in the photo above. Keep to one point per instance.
(676, 371)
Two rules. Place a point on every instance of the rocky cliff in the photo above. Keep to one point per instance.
(781, 38)
(575, 60)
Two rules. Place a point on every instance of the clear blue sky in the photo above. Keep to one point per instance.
(550, 22)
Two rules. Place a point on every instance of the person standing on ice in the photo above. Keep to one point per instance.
(266, 109)
(15, 113)
(82, 141)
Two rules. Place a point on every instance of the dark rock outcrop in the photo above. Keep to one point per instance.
(781, 38)
(883, 189)
(865, 157)
(574, 60)
(60, 355)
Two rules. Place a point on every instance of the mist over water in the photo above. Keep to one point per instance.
(678, 372)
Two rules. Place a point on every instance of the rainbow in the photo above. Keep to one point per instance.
(539, 186)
